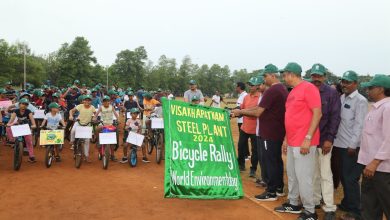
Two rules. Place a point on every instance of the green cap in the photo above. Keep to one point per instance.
(255, 81)
(130, 93)
(195, 98)
(87, 97)
(307, 79)
(147, 95)
(40, 93)
(76, 81)
(292, 67)
(192, 82)
(111, 92)
(159, 90)
(2, 91)
(56, 95)
(8, 83)
(379, 80)
(270, 68)
(350, 76)
(23, 101)
(93, 90)
(134, 110)
(318, 69)
(106, 98)
(54, 105)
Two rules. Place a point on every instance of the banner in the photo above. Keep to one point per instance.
(200, 158)
(51, 137)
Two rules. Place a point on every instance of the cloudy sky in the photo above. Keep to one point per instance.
(341, 34)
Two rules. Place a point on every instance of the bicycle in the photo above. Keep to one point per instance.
(19, 145)
(155, 140)
(105, 150)
(50, 151)
(132, 155)
(78, 147)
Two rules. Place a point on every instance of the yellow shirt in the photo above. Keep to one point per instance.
(86, 114)
(149, 104)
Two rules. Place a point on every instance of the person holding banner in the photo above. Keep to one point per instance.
(107, 112)
(24, 116)
(86, 112)
(53, 120)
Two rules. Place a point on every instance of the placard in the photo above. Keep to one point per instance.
(5, 104)
(51, 137)
(136, 139)
(157, 123)
(107, 138)
(20, 130)
(39, 114)
(84, 132)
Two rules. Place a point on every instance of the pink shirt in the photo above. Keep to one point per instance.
(375, 142)
(300, 102)
(249, 123)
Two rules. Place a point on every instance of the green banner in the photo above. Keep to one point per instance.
(200, 159)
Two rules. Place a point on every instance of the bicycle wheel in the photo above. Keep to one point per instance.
(159, 147)
(133, 157)
(49, 156)
(149, 144)
(77, 154)
(18, 153)
(106, 156)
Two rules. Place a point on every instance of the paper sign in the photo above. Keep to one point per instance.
(107, 138)
(84, 132)
(157, 123)
(51, 137)
(39, 114)
(5, 104)
(20, 130)
(134, 138)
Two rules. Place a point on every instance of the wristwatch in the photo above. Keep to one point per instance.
(308, 137)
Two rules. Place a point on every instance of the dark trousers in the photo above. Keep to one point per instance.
(376, 196)
(247, 146)
(335, 167)
(242, 146)
(142, 112)
(350, 176)
(272, 163)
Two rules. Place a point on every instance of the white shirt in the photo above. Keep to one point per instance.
(239, 102)
(170, 96)
(216, 101)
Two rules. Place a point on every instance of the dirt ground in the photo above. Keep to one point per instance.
(121, 192)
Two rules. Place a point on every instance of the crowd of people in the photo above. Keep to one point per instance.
(328, 138)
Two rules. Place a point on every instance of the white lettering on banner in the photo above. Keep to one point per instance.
(188, 178)
(20, 130)
(39, 114)
(107, 138)
(200, 154)
(84, 132)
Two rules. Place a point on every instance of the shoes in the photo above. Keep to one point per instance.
(252, 173)
(260, 183)
(113, 158)
(31, 160)
(317, 206)
(145, 160)
(287, 207)
(58, 159)
(306, 215)
(72, 147)
(342, 208)
(242, 169)
(266, 196)
(350, 216)
(280, 192)
(330, 216)
(123, 160)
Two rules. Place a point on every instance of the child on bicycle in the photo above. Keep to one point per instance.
(86, 112)
(107, 112)
(25, 116)
(149, 106)
(53, 119)
(133, 124)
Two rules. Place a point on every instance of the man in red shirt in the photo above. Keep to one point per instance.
(248, 128)
(303, 114)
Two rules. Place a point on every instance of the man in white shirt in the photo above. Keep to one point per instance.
(216, 100)
(240, 89)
